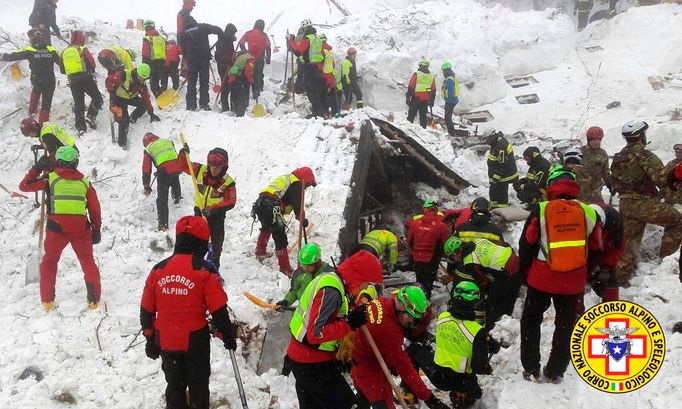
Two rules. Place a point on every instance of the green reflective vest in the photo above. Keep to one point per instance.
(424, 82)
(58, 132)
(158, 47)
(161, 151)
(314, 49)
(383, 242)
(68, 196)
(208, 195)
(123, 57)
(444, 87)
(72, 56)
(455, 342)
(238, 67)
(300, 320)
(279, 186)
(123, 90)
(346, 66)
(488, 254)
(328, 66)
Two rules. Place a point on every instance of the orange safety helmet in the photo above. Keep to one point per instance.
(306, 175)
(594, 132)
(149, 138)
(29, 127)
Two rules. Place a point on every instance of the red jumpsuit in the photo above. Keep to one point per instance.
(63, 229)
(388, 334)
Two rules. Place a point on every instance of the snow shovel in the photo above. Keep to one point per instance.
(433, 119)
(238, 378)
(15, 71)
(258, 110)
(275, 49)
(33, 261)
(169, 97)
(261, 303)
(382, 363)
(12, 194)
(191, 168)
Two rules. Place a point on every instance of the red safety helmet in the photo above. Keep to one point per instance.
(194, 225)
(352, 51)
(149, 138)
(306, 175)
(218, 157)
(77, 37)
(29, 127)
(595, 132)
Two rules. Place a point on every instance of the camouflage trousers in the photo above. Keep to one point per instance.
(637, 213)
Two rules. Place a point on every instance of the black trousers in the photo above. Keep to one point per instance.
(321, 386)
(315, 89)
(126, 119)
(224, 89)
(537, 302)
(268, 213)
(500, 298)
(299, 85)
(499, 193)
(333, 103)
(258, 77)
(158, 74)
(83, 84)
(216, 224)
(188, 370)
(164, 183)
(43, 91)
(172, 72)
(449, 108)
(441, 377)
(363, 403)
(198, 71)
(350, 90)
(426, 274)
(417, 105)
(239, 96)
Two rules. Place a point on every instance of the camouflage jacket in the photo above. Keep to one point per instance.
(637, 172)
(671, 196)
(596, 163)
(582, 178)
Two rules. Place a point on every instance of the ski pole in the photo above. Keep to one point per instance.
(238, 378)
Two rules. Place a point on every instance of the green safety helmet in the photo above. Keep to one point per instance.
(148, 24)
(446, 66)
(414, 300)
(66, 154)
(429, 203)
(424, 62)
(144, 71)
(467, 291)
(451, 245)
(309, 254)
(558, 173)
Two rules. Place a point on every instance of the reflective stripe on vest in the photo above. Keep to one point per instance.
(488, 254)
(208, 195)
(73, 60)
(58, 132)
(123, 57)
(161, 151)
(239, 64)
(455, 342)
(157, 45)
(123, 90)
(279, 186)
(473, 235)
(300, 321)
(314, 49)
(590, 220)
(424, 82)
(68, 196)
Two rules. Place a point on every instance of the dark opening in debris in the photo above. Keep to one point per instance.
(528, 99)
(518, 82)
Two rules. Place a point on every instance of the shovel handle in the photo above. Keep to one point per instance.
(384, 368)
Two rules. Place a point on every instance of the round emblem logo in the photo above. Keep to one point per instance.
(617, 346)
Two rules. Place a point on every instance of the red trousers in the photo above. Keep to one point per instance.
(81, 242)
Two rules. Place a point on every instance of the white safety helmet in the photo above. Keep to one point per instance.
(574, 155)
(634, 129)
(562, 146)
(306, 23)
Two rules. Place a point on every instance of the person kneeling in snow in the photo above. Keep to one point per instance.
(172, 315)
(462, 347)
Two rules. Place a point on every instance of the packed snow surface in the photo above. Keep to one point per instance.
(485, 44)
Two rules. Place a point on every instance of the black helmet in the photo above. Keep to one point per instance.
(259, 24)
(480, 205)
(531, 153)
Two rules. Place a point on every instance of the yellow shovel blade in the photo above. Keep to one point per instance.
(167, 98)
(15, 71)
(259, 110)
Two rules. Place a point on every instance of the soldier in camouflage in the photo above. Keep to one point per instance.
(596, 163)
(573, 160)
(636, 176)
(673, 196)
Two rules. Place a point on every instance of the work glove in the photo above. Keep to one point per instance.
(229, 339)
(493, 345)
(281, 304)
(184, 150)
(305, 223)
(147, 190)
(96, 236)
(345, 351)
(434, 403)
(42, 163)
(117, 111)
(206, 212)
(153, 117)
(151, 349)
(357, 317)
